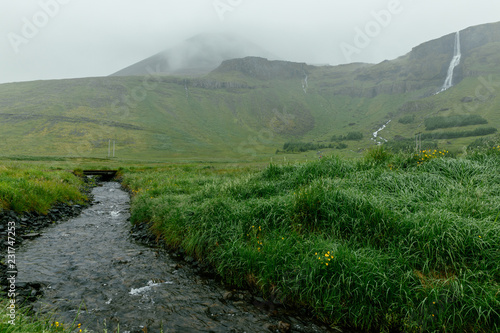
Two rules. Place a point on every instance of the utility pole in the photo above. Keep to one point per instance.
(113, 148)
(109, 148)
(418, 142)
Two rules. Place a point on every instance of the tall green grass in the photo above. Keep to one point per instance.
(32, 188)
(391, 242)
(26, 323)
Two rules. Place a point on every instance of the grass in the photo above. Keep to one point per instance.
(25, 323)
(392, 241)
(408, 242)
(34, 189)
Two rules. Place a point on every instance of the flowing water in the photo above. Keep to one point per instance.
(94, 270)
(455, 61)
(376, 136)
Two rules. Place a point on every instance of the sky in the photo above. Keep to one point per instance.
(56, 39)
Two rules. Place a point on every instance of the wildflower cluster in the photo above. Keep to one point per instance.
(140, 190)
(255, 232)
(426, 155)
(136, 191)
(57, 326)
(324, 258)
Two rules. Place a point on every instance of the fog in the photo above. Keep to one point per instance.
(54, 39)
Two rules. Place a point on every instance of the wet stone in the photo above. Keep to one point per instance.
(227, 295)
(31, 236)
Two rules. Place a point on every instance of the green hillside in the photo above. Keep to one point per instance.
(248, 108)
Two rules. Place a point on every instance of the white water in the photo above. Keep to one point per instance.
(376, 136)
(455, 61)
(305, 85)
(151, 284)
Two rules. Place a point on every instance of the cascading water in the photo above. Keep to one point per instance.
(376, 134)
(305, 85)
(455, 61)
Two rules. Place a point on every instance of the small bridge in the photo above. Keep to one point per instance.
(104, 175)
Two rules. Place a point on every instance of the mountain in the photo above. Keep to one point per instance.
(197, 55)
(426, 65)
(247, 108)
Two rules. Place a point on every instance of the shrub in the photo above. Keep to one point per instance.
(377, 155)
(351, 136)
(453, 121)
(408, 119)
(453, 135)
(298, 147)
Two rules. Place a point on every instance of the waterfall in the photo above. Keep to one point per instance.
(305, 85)
(455, 61)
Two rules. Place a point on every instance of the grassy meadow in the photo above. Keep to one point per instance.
(31, 188)
(389, 242)
(406, 242)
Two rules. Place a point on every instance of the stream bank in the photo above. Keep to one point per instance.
(91, 269)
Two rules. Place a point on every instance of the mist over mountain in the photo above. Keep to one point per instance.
(248, 106)
(197, 55)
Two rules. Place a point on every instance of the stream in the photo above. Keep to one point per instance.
(376, 133)
(97, 275)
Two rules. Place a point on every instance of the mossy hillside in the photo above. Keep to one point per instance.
(230, 116)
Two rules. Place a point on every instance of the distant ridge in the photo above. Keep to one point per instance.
(196, 56)
(264, 69)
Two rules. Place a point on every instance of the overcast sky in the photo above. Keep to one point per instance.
(53, 39)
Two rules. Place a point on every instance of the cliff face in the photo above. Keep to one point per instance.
(263, 69)
(425, 67)
(471, 40)
(429, 62)
(478, 36)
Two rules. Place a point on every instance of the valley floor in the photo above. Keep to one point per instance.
(391, 242)
(405, 242)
